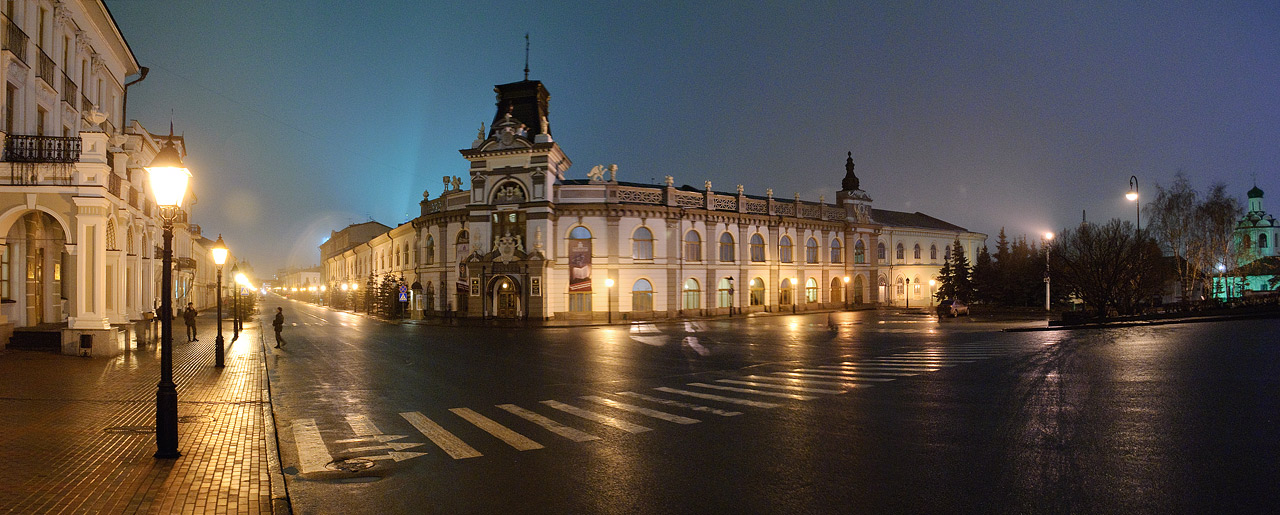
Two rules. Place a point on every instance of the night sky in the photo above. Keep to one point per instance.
(304, 117)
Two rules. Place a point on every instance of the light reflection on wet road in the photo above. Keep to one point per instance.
(950, 417)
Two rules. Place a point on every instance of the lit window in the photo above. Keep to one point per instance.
(811, 251)
(642, 296)
(784, 249)
(692, 294)
(692, 246)
(757, 292)
(811, 290)
(757, 248)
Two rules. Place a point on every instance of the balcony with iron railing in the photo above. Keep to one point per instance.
(45, 70)
(69, 91)
(41, 149)
(113, 184)
(14, 40)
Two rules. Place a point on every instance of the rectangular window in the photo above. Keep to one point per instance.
(10, 100)
(40, 116)
(579, 302)
(5, 294)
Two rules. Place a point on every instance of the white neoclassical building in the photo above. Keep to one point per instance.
(523, 240)
(79, 230)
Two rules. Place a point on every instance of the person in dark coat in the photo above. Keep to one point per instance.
(189, 316)
(278, 324)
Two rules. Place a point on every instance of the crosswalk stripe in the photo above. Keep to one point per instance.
(641, 410)
(781, 386)
(796, 380)
(500, 431)
(875, 371)
(828, 376)
(596, 417)
(362, 426)
(548, 424)
(721, 398)
(754, 392)
(916, 360)
(876, 366)
(313, 456)
(443, 439)
(679, 404)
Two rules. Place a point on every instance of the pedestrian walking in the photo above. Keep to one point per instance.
(278, 324)
(189, 316)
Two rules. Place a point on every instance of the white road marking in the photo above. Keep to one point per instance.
(721, 398)
(829, 376)
(380, 438)
(679, 404)
(871, 371)
(781, 386)
(500, 431)
(445, 440)
(313, 456)
(396, 446)
(641, 410)
(394, 455)
(361, 425)
(596, 417)
(548, 424)
(795, 396)
(794, 380)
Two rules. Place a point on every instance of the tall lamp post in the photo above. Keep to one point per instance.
(1132, 195)
(608, 289)
(907, 294)
(241, 282)
(169, 185)
(1048, 238)
(846, 292)
(932, 284)
(235, 303)
(219, 252)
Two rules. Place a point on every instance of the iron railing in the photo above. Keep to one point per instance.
(85, 104)
(69, 91)
(113, 184)
(41, 149)
(15, 40)
(45, 69)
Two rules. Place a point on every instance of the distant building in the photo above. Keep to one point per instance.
(1258, 259)
(525, 241)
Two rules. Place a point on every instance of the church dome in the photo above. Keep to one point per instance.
(1255, 192)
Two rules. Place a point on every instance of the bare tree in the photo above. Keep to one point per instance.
(1109, 266)
(1214, 224)
(1170, 215)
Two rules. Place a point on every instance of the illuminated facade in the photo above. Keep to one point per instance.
(525, 241)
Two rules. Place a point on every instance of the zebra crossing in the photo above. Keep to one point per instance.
(589, 418)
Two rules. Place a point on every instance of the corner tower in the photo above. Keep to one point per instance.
(856, 203)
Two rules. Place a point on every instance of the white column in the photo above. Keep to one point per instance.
(91, 264)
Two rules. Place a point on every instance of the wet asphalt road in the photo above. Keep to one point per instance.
(1167, 419)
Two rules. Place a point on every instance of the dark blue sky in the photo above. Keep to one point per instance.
(302, 117)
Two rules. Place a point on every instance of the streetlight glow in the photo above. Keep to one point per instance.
(168, 177)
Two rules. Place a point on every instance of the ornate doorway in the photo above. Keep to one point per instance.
(506, 298)
(32, 268)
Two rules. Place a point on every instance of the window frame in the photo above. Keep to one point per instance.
(784, 249)
(727, 248)
(693, 247)
(639, 244)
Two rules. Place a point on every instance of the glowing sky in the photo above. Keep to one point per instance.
(302, 117)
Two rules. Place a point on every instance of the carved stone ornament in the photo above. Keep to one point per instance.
(739, 189)
(613, 173)
(507, 245)
(457, 183)
(707, 184)
(671, 181)
(596, 174)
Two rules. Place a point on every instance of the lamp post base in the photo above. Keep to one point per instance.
(167, 422)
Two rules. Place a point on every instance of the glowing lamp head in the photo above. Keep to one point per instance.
(846, 279)
(608, 283)
(219, 252)
(355, 286)
(1048, 236)
(1132, 196)
(241, 279)
(168, 177)
(932, 283)
(322, 288)
(345, 286)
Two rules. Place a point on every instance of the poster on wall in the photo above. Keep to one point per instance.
(579, 266)
(463, 251)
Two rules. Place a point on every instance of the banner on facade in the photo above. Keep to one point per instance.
(579, 266)
(463, 286)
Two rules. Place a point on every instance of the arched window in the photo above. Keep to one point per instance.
(642, 244)
(429, 252)
(836, 255)
(692, 246)
(915, 287)
(947, 252)
(757, 248)
(901, 254)
(642, 296)
(462, 245)
(692, 294)
(786, 293)
(933, 252)
(397, 256)
(811, 290)
(580, 233)
(916, 255)
(724, 293)
(811, 251)
(757, 292)
(880, 251)
(726, 248)
(784, 249)
(1262, 241)
(902, 288)
(111, 235)
(859, 252)
(837, 290)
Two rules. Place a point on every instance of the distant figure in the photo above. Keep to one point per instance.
(189, 316)
(278, 324)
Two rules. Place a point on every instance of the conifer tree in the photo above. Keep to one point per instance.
(960, 275)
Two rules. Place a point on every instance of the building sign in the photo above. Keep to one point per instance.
(475, 286)
(579, 266)
(535, 287)
(464, 249)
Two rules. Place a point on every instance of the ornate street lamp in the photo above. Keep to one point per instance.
(907, 293)
(235, 302)
(219, 252)
(1132, 195)
(846, 293)
(932, 284)
(169, 185)
(608, 286)
(1048, 239)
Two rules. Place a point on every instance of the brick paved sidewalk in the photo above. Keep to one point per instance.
(79, 433)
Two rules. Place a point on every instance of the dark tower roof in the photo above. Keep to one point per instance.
(850, 182)
(527, 101)
(1255, 192)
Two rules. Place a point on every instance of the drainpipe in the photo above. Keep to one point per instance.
(124, 108)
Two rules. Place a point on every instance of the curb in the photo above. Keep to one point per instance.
(1145, 323)
(279, 489)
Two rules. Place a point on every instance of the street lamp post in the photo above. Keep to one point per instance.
(235, 303)
(1132, 195)
(219, 251)
(795, 292)
(846, 293)
(1048, 238)
(907, 294)
(169, 185)
(241, 282)
(932, 284)
(608, 285)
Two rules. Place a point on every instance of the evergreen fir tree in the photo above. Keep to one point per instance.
(960, 273)
(946, 281)
(985, 283)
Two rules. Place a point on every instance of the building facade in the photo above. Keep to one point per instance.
(79, 230)
(523, 240)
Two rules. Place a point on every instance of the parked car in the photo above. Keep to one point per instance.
(952, 308)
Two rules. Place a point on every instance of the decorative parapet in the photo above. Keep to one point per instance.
(690, 199)
(639, 195)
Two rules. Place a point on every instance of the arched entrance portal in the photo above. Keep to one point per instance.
(857, 289)
(506, 298)
(32, 268)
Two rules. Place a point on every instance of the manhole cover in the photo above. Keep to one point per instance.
(350, 465)
(134, 430)
(192, 419)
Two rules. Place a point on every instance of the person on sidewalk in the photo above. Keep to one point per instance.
(189, 316)
(278, 324)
